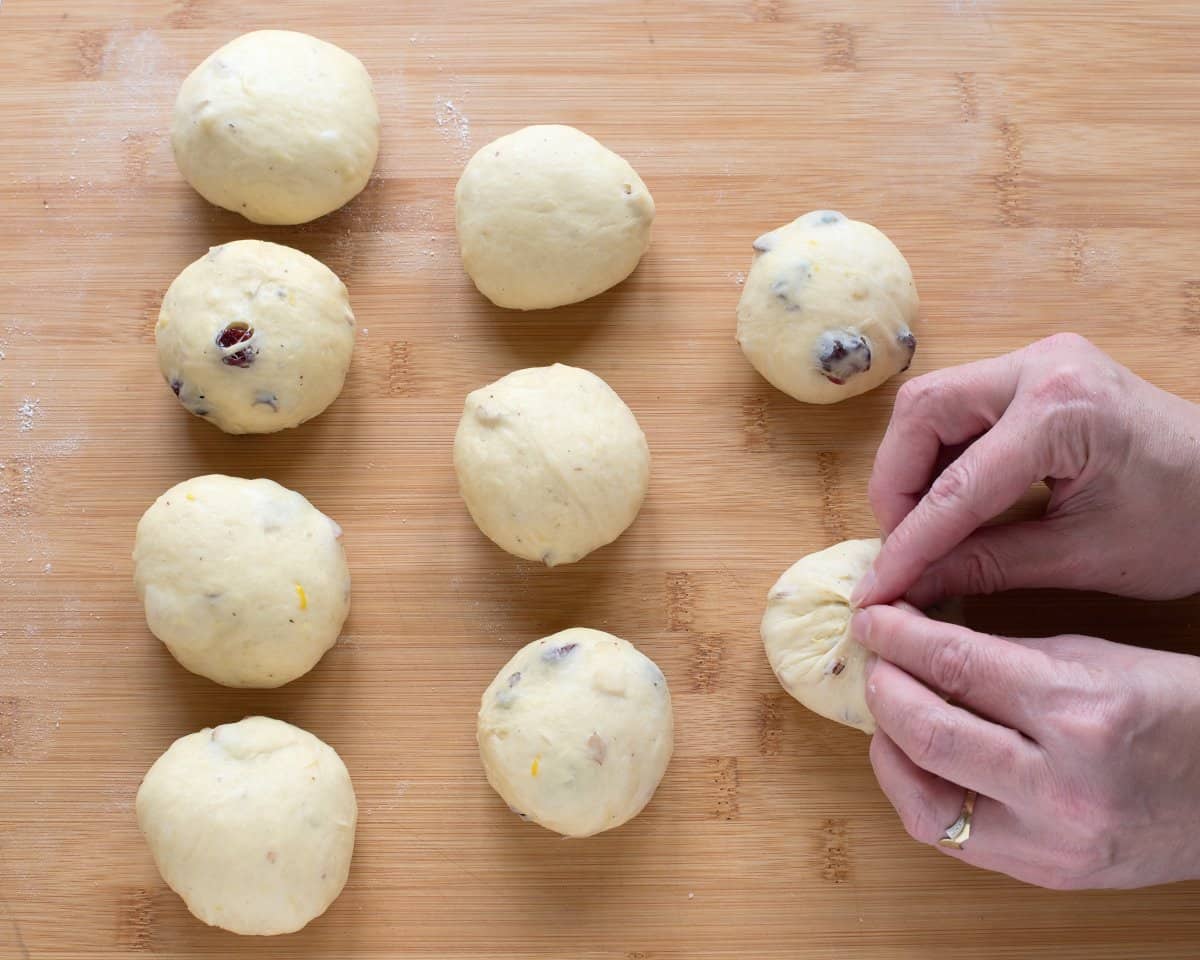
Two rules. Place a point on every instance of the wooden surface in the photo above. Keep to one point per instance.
(1038, 164)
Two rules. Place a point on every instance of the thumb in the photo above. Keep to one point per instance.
(1038, 553)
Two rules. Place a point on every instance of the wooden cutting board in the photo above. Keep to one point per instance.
(1038, 164)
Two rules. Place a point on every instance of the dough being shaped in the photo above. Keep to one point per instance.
(255, 337)
(278, 126)
(251, 823)
(551, 463)
(576, 731)
(245, 581)
(828, 308)
(548, 216)
(806, 630)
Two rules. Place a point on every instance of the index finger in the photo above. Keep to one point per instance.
(986, 480)
(949, 741)
(941, 409)
(1001, 680)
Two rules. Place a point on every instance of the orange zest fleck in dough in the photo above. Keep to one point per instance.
(533, 770)
(303, 597)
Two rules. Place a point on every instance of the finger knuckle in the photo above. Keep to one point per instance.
(953, 493)
(1099, 715)
(950, 666)
(1066, 342)
(1066, 384)
(1078, 864)
(1089, 731)
(920, 396)
(918, 821)
(1005, 755)
(1058, 878)
(875, 489)
(983, 571)
(934, 740)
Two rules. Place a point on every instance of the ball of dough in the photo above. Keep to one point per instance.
(255, 337)
(548, 216)
(551, 463)
(278, 126)
(245, 581)
(806, 630)
(251, 823)
(576, 731)
(828, 308)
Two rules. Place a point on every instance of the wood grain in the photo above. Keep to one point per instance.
(1036, 162)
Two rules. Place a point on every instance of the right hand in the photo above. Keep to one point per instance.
(1121, 457)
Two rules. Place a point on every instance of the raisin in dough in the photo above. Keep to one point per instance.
(548, 216)
(551, 463)
(828, 308)
(255, 337)
(806, 631)
(576, 731)
(251, 823)
(245, 581)
(278, 126)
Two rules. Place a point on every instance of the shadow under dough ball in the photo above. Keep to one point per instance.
(278, 126)
(828, 308)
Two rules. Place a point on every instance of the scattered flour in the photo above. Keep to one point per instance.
(26, 413)
(453, 123)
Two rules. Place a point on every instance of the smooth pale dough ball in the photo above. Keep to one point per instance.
(245, 581)
(255, 337)
(576, 731)
(828, 308)
(548, 216)
(251, 823)
(551, 463)
(278, 126)
(806, 630)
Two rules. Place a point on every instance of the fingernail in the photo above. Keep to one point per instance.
(860, 626)
(863, 588)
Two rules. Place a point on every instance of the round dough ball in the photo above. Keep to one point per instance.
(828, 308)
(255, 337)
(251, 823)
(806, 630)
(245, 581)
(576, 731)
(278, 126)
(548, 216)
(551, 463)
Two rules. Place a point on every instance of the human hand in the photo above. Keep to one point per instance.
(1083, 752)
(1121, 457)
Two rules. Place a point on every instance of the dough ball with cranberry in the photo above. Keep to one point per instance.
(576, 731)
(806, 633)
(255, 337)
(278, 126)
(251, 823)
(828, 308)
(244, 581)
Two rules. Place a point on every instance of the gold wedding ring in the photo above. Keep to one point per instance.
(959, 832)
